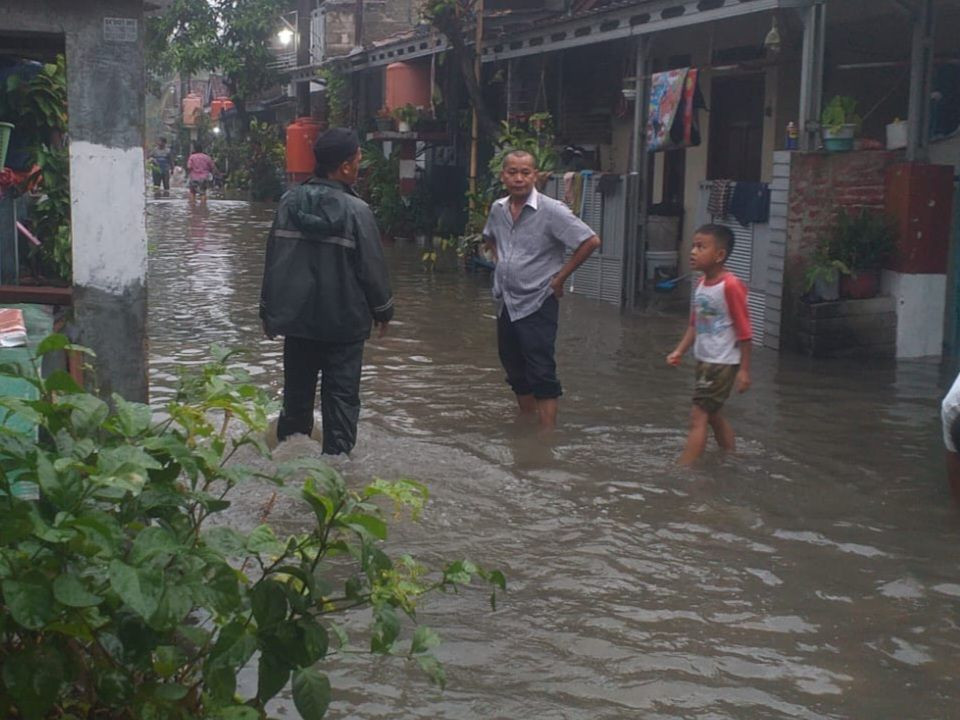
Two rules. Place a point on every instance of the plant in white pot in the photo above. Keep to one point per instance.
(839, 123)
(822, 277)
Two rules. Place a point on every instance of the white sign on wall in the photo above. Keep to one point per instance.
(120, 29)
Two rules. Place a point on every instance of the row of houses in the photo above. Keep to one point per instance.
(765, 69)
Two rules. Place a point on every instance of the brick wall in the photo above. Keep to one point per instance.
(820, 184)
(381, 19)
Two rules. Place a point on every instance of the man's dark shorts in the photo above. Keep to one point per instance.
(527, 349)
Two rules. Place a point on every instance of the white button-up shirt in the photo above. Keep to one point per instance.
(530, 251)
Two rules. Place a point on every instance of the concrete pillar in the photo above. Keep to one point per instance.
(811, 74)
(105, 80)
(105, 86)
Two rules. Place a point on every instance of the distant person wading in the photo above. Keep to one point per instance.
(325, 284)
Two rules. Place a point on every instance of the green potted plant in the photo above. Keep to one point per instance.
(839, 123)
(862, 241)
(822, 277)
(406, 116)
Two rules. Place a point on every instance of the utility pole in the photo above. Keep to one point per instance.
(358, 24)
(478, 72)
(304, 19)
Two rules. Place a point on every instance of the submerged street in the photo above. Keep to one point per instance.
(813, 575)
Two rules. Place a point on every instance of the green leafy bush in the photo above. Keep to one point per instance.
(380, 187)
(535, 135)
(860, 240)
(127, 594)
(38, 109)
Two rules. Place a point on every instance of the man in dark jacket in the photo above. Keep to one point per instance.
(324, 285)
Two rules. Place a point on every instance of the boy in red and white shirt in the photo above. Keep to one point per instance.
(720, 334)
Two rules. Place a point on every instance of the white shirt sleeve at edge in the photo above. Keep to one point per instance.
(949, 412)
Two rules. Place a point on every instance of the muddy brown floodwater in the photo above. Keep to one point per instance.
(815, 574)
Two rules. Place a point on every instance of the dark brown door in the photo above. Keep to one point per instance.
(736, 128)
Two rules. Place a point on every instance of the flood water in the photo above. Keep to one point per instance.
(815, 574)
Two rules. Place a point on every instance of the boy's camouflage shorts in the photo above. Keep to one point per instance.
(713, 385)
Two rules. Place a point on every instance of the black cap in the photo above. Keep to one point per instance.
(335, 146)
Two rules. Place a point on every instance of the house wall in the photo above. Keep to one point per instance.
(700, 43)
(820, 184)
(105, 86)
(381, 19)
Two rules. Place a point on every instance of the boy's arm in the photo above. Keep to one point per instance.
(743, 374)
(685, 343)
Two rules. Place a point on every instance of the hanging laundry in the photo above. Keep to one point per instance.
(719, 202)
(673, 121)
(750, 203)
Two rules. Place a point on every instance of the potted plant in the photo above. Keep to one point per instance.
(406, 116)
(384, 120)
(862, 241)
(822, 277)
(839, 123)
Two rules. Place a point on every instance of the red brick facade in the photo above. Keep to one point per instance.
(820, 184)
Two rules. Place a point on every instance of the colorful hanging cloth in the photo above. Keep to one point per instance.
(672, 121)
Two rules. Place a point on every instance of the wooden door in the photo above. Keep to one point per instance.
(736, 128)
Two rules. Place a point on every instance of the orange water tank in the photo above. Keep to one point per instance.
(301, 135)
(192, 104)
(218, 105)
(408, 84)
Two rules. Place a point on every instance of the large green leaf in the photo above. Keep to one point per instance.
(234, 646)
(269, 601)
(29, 600)
(263, 540)
(272, 675)
(69, 590)
(366, 525)
(139, 588)
(154, 543)
(432, 667)
(33, 681)
(311, 693)
(226, 541)
(424, 639)
(114, 687)
(132, 418)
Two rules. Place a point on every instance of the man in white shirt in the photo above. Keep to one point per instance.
(950, 414)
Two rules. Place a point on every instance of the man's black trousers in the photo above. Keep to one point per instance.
(338, 365)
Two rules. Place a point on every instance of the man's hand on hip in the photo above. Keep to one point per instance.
(557, 286)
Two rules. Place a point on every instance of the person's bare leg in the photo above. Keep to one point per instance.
(723, 432)
(527, 404)
(697, 437)
(547, 408)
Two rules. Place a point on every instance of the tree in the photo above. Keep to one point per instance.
(181, 40)
(232, 37)
(245, 52)
(449, 17)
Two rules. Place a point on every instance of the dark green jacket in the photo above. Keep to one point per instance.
(325, 277)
